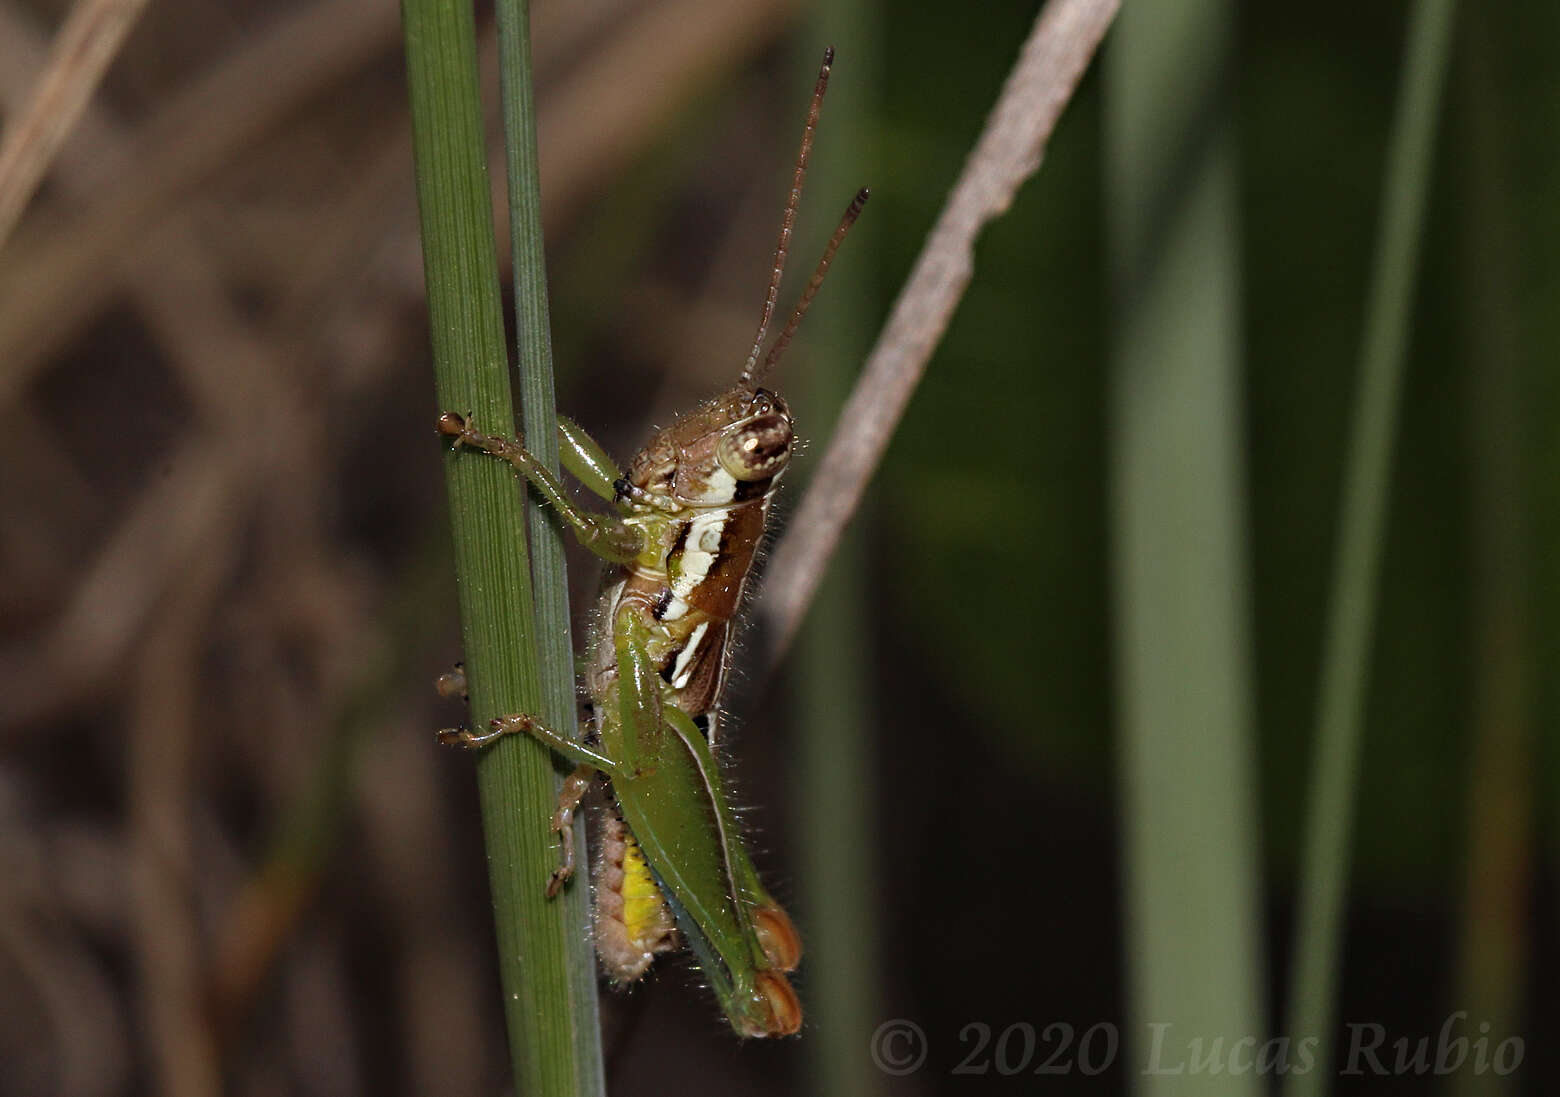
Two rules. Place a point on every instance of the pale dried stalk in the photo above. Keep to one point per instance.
(59, 270)
(88, 40)
(1065, 37)
(238, 383)
(161, 776)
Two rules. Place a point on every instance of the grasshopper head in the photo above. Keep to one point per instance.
(731, 449)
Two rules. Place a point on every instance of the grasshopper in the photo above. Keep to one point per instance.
(691, 511)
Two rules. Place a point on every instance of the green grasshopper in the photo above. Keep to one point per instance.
(691, 512)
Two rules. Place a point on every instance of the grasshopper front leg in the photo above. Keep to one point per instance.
(609, 538)
(586, 461)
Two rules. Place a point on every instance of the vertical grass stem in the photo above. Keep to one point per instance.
(544, 958)
(1312, 1005)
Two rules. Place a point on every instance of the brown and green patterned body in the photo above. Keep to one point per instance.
(691, 515)
(671, 866)
(700, 492)
(711, 476)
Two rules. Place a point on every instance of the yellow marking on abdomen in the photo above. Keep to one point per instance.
(644, 910)
(633, 923)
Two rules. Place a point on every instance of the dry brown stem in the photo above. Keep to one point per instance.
(233, 376)
(162, 782)
(88, 40)
(1065, 37)
(59, 272)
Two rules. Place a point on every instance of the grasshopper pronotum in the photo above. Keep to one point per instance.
(691, 512)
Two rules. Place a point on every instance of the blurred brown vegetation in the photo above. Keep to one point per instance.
(224, 581)
(231, 857)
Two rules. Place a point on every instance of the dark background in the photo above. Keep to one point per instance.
(230, 855)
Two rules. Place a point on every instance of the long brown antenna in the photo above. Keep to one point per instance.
(789, 220)
(852, 212)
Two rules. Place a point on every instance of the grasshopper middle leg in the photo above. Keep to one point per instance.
(522, 724)
(575, 786)
(588, 763)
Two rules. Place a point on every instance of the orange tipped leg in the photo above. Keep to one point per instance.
(778, 936)
(781, 1005)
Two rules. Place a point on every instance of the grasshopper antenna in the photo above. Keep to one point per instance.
(783, 340)
(789, 220)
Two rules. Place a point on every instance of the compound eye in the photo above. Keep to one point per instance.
(759, 449)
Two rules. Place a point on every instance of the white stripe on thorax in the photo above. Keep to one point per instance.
(699, 550)
(682, 670)
(702, 545)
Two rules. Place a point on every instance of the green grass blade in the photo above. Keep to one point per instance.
(1324, 871)
(538, 414)
(541, 949)
(838, 883)
(1189, 826)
